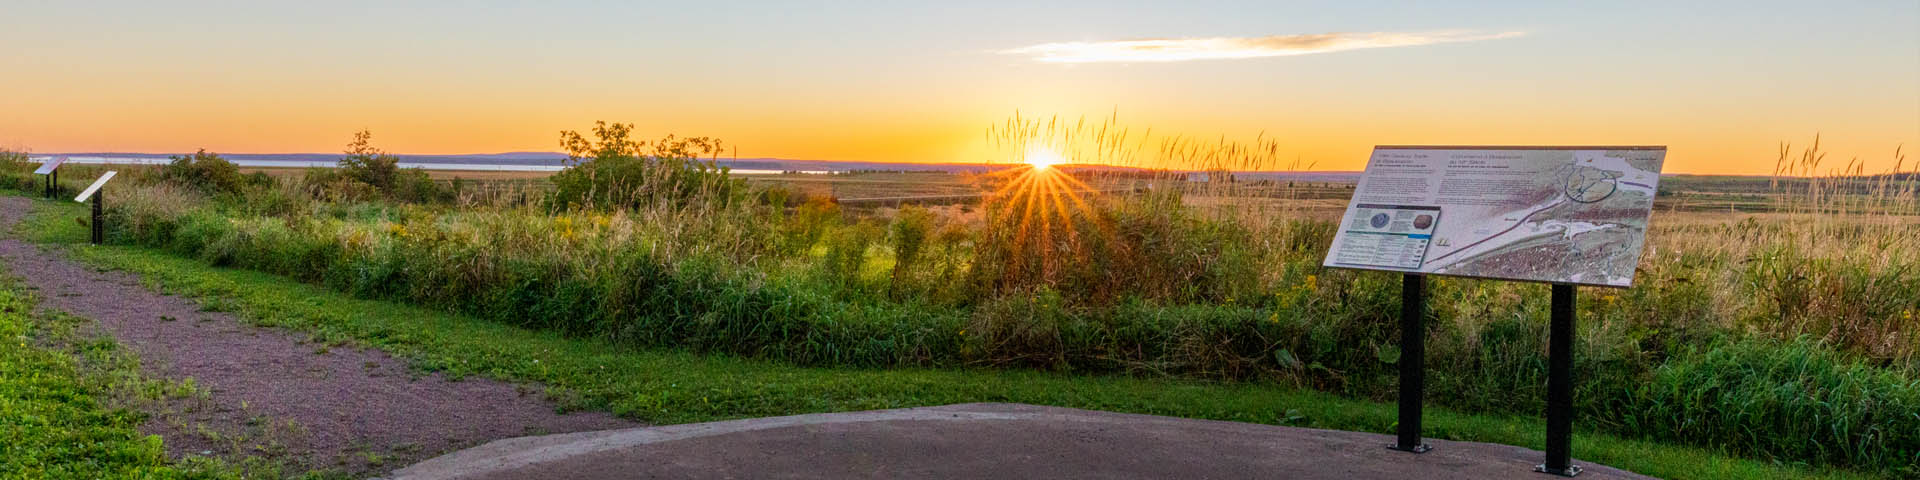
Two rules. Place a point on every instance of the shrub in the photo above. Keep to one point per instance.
(367, 172)
(909, 235)
(210, 174)
(810, 220)
(613, 171)
(369, 165)
(846, 259)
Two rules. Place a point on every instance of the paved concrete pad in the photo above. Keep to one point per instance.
(980, 441)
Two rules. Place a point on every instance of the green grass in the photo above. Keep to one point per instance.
(52, 422)
(664, 386)
(71, 404)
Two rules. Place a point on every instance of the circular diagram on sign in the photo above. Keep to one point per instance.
(1379, 220)
(1423, 221)
(1589, 185)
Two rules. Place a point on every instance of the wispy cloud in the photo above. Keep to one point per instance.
(1183, 49)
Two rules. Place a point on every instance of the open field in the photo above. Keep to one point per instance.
(1742, 324)
(1693, 193)
(446, 175)
(1689, 193)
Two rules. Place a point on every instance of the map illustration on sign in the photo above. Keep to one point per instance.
(1574, 215)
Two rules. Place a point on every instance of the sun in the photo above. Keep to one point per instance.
(1042, 158)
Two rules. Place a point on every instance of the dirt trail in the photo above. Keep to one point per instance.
(361, 411)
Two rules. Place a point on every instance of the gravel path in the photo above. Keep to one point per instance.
(350, 409)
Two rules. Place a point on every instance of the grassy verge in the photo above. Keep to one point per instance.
(72, 402)
(52, 423)
(674, 386)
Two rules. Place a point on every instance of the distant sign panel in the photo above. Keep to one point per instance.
(1545, 214)
(91, 189)
(47, 168)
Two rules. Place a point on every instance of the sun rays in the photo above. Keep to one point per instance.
(1041, 211)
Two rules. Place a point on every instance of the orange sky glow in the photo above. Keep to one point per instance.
(921, 83)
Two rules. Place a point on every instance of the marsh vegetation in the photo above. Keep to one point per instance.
(1784, 330)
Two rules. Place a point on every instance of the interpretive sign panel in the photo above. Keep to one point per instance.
(48, 166)
(96, 186)
(1575, 215)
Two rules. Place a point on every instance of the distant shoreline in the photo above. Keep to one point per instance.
(554, 162)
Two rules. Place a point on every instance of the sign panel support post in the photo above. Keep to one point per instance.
(1560, 384)
(1413, 354)
(94, 192)
(52, 179)
(99, 234)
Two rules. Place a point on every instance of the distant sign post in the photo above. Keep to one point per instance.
(51, 168)
(1567, 216)
(99, 233)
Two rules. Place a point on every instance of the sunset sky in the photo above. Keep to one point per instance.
(1720, 83)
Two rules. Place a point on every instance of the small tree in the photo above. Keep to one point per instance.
(614, 171)
(369, 165)
(367, 171)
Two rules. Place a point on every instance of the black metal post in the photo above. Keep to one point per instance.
(1560, 385)
(99, 233)
(1413, 355)
(53, 178)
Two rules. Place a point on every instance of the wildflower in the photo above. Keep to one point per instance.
(1610, 299)
(1275, 318)
(1313, 282)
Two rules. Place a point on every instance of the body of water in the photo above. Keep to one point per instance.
(452, 166)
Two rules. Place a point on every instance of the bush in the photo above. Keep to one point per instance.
(909, 233)
(367, 172)
(210, 174)
(613, 172)
(16, 173)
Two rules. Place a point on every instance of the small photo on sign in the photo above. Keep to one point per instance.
(1388, 236)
